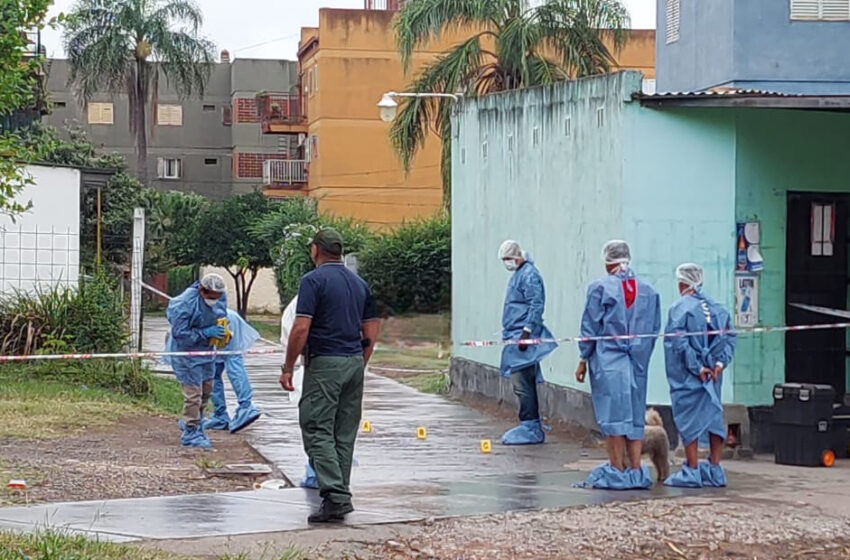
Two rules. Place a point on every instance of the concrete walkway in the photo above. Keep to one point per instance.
(398, 478)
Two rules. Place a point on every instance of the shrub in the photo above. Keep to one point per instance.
(409, 268)
(179, 278)
(60, 321)
(292, 253)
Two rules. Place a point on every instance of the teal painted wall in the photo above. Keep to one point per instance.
(556, 191)
(678, 206)
(672, 182)
(663, 181)
(777, 152)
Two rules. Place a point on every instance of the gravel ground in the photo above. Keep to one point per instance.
(659, 529)
(138, 457)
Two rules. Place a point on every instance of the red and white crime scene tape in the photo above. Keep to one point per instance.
(740, 331)
(470, 343)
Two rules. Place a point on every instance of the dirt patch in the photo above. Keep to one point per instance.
(139, 456)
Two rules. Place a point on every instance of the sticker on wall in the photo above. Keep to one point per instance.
(746, 300)
(748, 256)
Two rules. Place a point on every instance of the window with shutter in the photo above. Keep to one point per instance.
(820, 10)
(100, 113)
(672, 21)
(169, 115)
(835, 10)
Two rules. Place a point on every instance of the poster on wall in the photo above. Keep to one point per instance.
(748, 257)
(746, 300)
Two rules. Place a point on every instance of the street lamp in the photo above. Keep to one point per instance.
(388, 106)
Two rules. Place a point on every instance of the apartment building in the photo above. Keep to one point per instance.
(213, 145)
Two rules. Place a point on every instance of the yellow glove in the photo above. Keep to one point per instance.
(222, 342)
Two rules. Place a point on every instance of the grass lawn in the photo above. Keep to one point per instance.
(38, 408)
(267, 325)
(55, 546)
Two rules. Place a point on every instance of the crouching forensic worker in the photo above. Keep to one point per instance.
(522, 318)
(194, 316)
(335, 328)
(243, 337)
(617, 305)
(695, 367)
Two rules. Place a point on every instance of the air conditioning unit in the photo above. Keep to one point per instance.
(302, 138)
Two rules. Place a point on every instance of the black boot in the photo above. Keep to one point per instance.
(330, 512)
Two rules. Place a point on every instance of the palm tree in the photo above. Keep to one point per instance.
(513, 45)
(124, 45)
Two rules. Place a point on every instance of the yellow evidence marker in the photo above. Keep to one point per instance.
(421, 433)
(366, 426)
(486, 446)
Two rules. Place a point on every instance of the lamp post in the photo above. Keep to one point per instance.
(388, 105)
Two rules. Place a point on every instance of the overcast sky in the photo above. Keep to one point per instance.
(270, 28)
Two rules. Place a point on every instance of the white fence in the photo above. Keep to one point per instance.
(38, 259)
(284, 172)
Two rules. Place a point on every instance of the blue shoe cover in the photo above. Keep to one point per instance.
(309, 480)
(195, 438)
(608, 478)
(640, 478)
(712, 475)
(217, 423)
(243, 418)
(685, 478)
(529, 432)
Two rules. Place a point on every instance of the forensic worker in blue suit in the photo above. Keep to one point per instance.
(522, 318)
(243, 338)
(620, 304)
(695, 367)
(193, 316)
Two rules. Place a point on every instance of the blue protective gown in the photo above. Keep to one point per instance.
(188, 315)
(618, 368)
(697, 408)
(524, 303)
(243, 338)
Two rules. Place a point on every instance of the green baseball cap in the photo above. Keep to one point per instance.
(330, 240)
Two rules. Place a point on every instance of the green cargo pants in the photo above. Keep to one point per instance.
(329, 414)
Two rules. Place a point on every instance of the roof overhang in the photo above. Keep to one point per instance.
(760, 100)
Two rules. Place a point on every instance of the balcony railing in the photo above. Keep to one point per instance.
(284, 172)
(279, 108)
(383, 5)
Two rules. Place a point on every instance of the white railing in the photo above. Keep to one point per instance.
(284, 171)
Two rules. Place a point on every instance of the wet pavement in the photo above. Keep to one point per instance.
(398, 476)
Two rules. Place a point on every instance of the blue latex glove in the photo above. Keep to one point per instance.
(214, 331)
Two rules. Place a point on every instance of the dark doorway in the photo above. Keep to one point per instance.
(816, 274)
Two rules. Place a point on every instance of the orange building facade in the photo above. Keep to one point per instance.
(348, 164)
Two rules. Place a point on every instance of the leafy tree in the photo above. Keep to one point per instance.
(124, 45)
(513, 46)
(19, 84)
(122, 194)
(226, 239)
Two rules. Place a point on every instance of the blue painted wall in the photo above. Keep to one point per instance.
(752, 44)
(664, 181)
(699, 59)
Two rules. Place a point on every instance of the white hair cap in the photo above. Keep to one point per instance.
(213, 282)
(510, 249)
(616, 252)
(690, 274)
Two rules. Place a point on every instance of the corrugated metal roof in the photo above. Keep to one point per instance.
(731, 92)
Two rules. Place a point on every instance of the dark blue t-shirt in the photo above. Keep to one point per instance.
(339, 302)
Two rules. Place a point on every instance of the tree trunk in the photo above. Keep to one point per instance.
(247, 289)
(140, 126)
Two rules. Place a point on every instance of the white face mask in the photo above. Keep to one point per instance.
(210, 302)
(510, 264)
